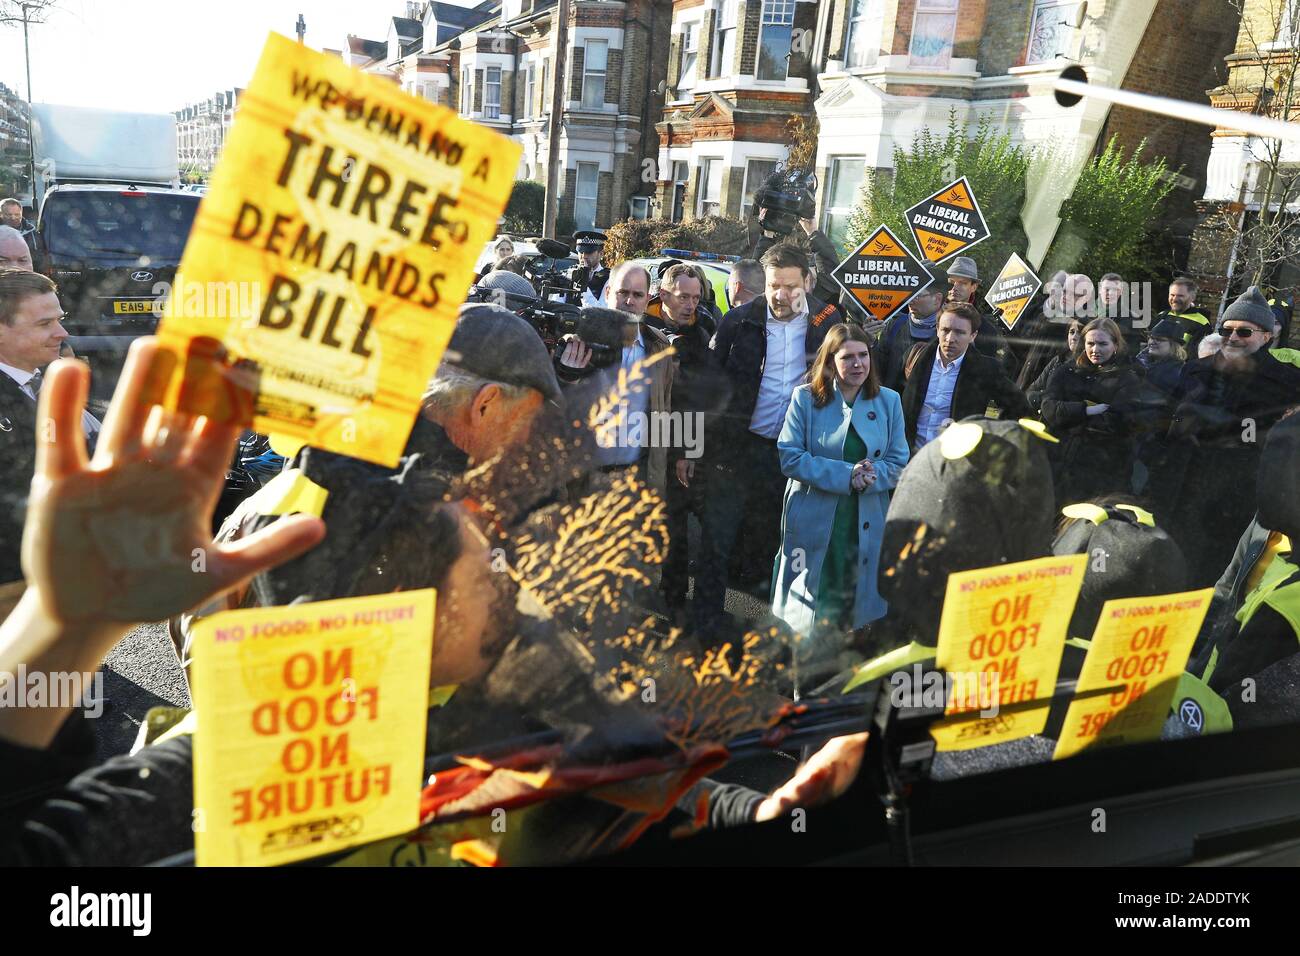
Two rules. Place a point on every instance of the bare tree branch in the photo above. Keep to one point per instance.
(11, 11)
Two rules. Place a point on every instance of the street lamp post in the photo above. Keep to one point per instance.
(31, 141)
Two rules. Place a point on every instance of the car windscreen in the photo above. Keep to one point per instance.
(152, 225)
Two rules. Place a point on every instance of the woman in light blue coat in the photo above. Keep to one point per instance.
(843, 447)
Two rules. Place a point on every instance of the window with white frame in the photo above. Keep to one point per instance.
(846, 174)
(775, 29)
(546, 90)
(1051, 30)
(710, 199)
(492, 93)
(530, 90)
(756, 170)
(595, 57)
(866, 23)
(1287, 25)
(584, 196)
(723, 52)
(681, 176)
(465, 98)
(933, 27)
(690, 56)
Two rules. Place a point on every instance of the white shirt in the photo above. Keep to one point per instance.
(937, 407)
(89, 423)
(784, 369)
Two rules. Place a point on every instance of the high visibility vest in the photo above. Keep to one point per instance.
(1289, 356)
(1277, 590)
(1273, 591)
(889, 662)
(1194, 318)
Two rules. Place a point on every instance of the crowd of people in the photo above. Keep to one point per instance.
(807, 466)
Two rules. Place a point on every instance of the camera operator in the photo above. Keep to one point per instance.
(607, 341)
(786, 200)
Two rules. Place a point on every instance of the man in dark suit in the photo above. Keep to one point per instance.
(761, 353)
(31, 333)
(951, 380)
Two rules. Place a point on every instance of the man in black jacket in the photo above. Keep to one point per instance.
(1224, 406)
(689, 330)
(951, 380)
(31, 334)
(761, 354)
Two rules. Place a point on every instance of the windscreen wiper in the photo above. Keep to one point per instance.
(900, 750)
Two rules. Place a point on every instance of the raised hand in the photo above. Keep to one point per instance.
(125, 537)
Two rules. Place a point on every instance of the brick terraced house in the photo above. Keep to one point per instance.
(494, 64)
(875, 72)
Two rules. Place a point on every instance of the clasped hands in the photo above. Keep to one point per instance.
(864, 475)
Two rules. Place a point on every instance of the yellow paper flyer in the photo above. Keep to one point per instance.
(328, 260)
(310, 726)
(1142, 645)
(1000, 642)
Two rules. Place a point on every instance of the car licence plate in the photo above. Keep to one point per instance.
(137, 307)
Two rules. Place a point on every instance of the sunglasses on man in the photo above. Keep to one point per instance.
(1241, 331)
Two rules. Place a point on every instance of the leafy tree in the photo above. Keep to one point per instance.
(525, 209)
(995, 167)
(1106, 221)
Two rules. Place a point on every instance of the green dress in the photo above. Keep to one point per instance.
(837, 585)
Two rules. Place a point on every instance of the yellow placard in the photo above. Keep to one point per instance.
(1000, 643)
(326, 264)
(311, 726)
(1142, 645)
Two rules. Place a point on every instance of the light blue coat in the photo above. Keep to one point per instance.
(811, 448)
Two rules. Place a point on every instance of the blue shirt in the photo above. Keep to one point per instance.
(936, 410)
(785, 367)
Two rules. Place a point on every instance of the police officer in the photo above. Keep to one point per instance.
(589, 275)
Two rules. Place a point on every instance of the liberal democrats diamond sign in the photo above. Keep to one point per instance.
(948, 222)
(881, 274)
(1012, 290)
